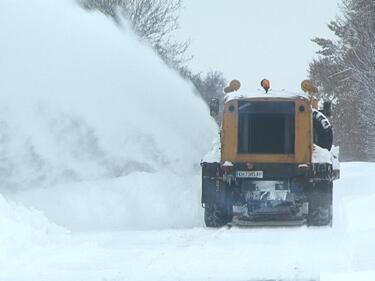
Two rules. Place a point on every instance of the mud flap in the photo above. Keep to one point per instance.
(213, 192)
(213, 187)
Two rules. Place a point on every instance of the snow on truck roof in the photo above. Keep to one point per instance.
(262, 94)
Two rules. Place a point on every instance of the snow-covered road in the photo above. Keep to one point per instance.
(189, 254)
(212, 254)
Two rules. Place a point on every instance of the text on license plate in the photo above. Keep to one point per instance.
(249, 174)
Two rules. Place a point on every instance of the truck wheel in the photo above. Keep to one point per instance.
(320, 205)
(217, 216)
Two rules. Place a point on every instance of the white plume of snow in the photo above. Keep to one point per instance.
(95, 130)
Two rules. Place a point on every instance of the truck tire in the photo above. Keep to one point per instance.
(323, 135)
(217, 216)
(320, 205)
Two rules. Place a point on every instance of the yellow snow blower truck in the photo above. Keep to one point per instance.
(274, 163)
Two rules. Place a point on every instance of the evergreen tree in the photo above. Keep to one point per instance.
(345, 71)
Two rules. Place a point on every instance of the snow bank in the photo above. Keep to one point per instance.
(357, 194)
(348, 276)
(140, 200)
(94, 122)
(360, 213)
(22, 228)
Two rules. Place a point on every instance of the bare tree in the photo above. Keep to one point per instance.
(154, 20)
(209, 86)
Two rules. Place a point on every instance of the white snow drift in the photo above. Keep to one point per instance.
(94, 128)
(22, 229)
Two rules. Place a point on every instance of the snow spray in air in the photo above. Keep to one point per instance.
(95, 130)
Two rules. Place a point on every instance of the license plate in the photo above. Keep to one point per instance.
(249, 174)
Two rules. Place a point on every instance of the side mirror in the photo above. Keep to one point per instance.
(214, 107)
(327, 108)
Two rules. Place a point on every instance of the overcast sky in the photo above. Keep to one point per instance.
(254, 39)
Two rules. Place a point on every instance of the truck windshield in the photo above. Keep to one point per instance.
(266, 127)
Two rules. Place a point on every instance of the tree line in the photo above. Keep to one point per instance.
(345, 73)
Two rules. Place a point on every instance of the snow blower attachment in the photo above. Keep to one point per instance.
(275, 164)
